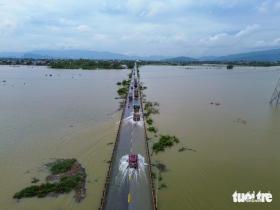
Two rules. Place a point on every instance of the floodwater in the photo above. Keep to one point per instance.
(46, 114)
(232, 147)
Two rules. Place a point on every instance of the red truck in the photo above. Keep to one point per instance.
(133, 161)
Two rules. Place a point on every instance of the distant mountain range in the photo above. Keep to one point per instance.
(76, 54)
(267, 55)
(179, 59)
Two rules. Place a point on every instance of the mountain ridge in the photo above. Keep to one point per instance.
(271, 55)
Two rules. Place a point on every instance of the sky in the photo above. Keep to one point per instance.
(141, 27)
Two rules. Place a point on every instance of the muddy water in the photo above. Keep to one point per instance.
(233, 146)
(49, 114)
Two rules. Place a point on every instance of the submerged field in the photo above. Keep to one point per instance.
(222, 117)
(48, 114)
(232, 135)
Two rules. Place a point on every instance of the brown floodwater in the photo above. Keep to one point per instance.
(233, 146)
(46, 114)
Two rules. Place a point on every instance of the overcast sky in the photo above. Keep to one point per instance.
(141, 27)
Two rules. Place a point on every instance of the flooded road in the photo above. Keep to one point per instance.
(49, 114)
(129, 188)
(234, 145)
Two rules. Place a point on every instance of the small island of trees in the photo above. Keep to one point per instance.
(66, 175)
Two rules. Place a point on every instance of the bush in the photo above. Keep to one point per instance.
(151, 108)
(65, 185)
(125, 82)
(164, 142)
(149, 121)
(152, 129)
(61, 166)
(27, 192)
(123, 91)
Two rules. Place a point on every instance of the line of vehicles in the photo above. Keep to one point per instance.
(133, 98)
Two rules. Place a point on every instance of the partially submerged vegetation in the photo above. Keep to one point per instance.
(151, 108)
(66, 175)
(61, 166)
(149, 121)
(165, 141)
(123, 88)
(152, 129)
(161, 168)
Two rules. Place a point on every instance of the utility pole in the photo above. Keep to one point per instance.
(275, 98)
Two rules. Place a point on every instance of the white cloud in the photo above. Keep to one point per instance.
(248, 30)
(276, 41)
(218, 37)
(83, 28)
(267, 43)
(170, 27)
(268, 6)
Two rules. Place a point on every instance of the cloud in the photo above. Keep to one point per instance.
(83, 28)
(276, 41)
(248, 30)
(268, 6)
(218, 37)
(268, 43)
(143, 27)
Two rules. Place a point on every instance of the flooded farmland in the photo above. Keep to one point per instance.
(222, 117)
(47, 114)
(231, 133)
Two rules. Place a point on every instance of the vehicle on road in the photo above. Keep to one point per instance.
(136, 95)
(130, 97)
(136, 107)
(133, 161)
(136, 116)
(135, 83)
